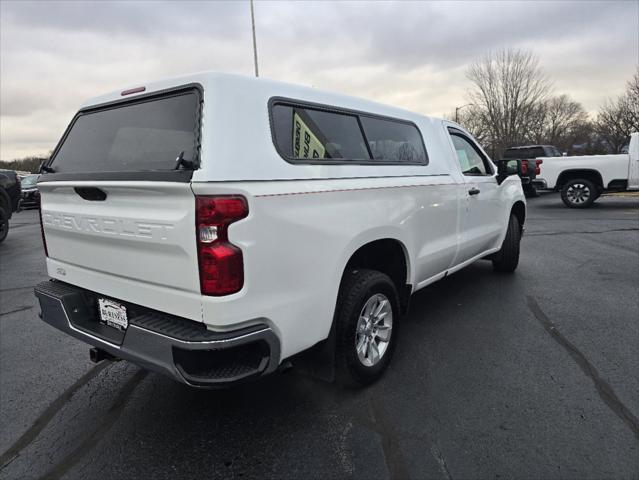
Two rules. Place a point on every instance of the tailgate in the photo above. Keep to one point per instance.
(137, 244)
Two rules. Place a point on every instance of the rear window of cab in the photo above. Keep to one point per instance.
(305, 133)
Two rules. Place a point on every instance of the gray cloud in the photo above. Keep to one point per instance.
(53, 55)
(142, 19)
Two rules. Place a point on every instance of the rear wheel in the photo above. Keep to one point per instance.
(579, 193)
(507, 258)
(4, 224)
(367, 318)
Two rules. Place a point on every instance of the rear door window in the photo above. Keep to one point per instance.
(143, 135)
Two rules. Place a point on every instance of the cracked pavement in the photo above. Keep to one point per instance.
(531, 375)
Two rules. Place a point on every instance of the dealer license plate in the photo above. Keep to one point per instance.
(113, 314)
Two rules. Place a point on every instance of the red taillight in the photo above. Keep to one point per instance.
(220, 262)
(524, 167)
(44, 241)
(537, 167)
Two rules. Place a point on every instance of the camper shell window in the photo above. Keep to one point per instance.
(319, 134)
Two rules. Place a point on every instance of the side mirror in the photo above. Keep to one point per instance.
(506, 168)
(513, 167)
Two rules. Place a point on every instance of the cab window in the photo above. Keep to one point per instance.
(470, 158)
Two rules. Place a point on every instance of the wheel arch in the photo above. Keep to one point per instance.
(387, 255)
(365, 252)
(585, 173)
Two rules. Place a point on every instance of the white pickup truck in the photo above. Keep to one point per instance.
(214, 227)
(582, 179)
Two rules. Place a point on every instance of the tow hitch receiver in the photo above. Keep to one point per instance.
(96, 355)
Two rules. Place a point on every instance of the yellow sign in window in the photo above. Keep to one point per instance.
(305, 142)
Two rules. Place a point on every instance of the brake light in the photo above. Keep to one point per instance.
(524, 167)
(220, 262)
(44, 240)
(537, 166)
(133, 90)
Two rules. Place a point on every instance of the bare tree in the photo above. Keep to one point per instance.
(27, 164)
(471, 119)
(508, 88)
(618, 118)
(560, 121)
(632, 94)
(613, 124)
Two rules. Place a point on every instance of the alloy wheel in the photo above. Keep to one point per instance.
(374, 329)
(578, 193)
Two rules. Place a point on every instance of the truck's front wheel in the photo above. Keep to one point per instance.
(507, 258)
(579, 193)
(367, 318)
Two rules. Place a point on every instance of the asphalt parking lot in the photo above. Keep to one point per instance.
(531, 375)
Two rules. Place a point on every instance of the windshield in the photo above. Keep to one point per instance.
(29, 181)
(143, 135)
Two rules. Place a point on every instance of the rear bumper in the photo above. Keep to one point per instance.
(540, 183)
(30, 198)
(30, 203)
(180, 348)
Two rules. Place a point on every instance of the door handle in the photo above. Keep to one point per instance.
(474, 191)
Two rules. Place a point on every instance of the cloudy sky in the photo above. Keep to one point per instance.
(54, 54)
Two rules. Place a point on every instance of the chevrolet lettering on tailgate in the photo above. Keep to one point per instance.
(107, 226)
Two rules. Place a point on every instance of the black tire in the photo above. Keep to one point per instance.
(579, 193)
(4, 224)
(507, 258)
(359, 287)
(531, 191)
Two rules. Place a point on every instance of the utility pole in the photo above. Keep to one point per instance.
(257, 73)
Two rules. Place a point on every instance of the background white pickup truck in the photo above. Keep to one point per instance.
(582, 179)
(212, 227)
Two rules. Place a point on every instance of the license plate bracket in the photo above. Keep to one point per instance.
(112, 314)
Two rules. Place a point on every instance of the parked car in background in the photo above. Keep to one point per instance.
(582, 179)
(531, 162)
(9, 199)
(171, 247)
(30, 194)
